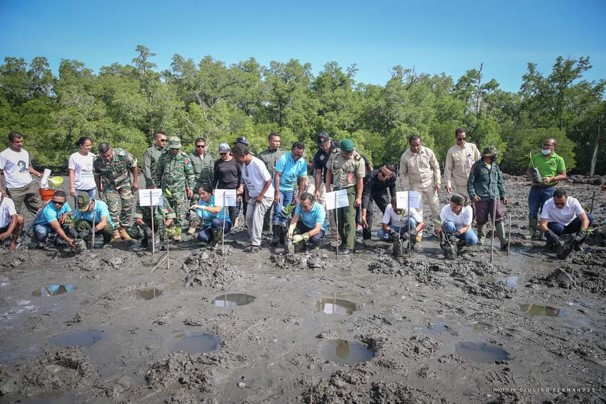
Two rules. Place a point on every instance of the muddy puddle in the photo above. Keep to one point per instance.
(232, 300)
(541, 311)
(146, 293)
(433, 329)
(345, 352)
(81, 338)
(481, 352)
(336, 306)
(53, 290)
(194, 343)
(509, 281)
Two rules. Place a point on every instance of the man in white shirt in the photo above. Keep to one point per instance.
(17, 170)
(398, 221)
(564, 214)
(11, 223)
(456, 220)
(258, 182)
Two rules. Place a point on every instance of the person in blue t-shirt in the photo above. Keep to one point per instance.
(89, 212)
(291, 170)
(313, 224)
(52, 219)
(215, 220)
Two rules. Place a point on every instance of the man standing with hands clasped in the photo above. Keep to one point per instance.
(420, 168)
(345, 170)
(485, 187)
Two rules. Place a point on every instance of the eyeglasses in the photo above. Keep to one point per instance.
(59, 203)
(201, 145)
(460, 138)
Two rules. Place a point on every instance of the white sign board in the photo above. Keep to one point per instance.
(336, 199)
(408, 199)
(225, 197)
(150, 197)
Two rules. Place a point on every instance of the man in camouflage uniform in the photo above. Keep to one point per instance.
(270, 156)
(345, 169)
(151, 156)
(112, 169)
(174, 173)
(164, 217)
(203, 164)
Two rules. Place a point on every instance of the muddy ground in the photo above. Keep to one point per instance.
(528, 328)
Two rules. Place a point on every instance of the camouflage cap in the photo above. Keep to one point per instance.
(489, 151)
(174, 143)
(82, 201)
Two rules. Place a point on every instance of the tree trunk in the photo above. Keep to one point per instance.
(479, 92)
(596, 146)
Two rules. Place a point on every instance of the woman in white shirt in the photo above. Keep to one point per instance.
(80, 169)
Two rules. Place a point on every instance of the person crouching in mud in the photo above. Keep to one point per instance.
(91, 212)
(313, 224)
(164, 218)
(215, 219)
(563, 215)
(456, 228)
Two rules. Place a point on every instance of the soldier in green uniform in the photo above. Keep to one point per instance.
(164, 216)
(270, 156)
(345, 170)
(174, 173)
(203, 164)
(113, 169)
(151, 156)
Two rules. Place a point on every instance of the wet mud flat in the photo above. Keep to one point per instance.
(313, 328)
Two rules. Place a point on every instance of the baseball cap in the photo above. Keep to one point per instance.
(243, 140)
(322, 138)
(174, 143)
(82, 201)
(224, 148)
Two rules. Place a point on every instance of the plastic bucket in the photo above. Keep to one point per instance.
(46, 194)
(56, 181)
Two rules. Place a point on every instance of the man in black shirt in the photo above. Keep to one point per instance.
(376, 186)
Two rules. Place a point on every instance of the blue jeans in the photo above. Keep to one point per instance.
(304, 229)
(573, 227)
(286, 198)
(470, 237)
(384, 236)
(42, 231)
(206, 234)
(536, 198)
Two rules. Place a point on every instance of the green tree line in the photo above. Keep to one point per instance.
(126, 104)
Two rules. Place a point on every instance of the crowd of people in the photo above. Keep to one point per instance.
(282, 188)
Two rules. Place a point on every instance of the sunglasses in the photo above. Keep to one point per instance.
(201, 145)
(163, 140)
(59, 203)
(460, 138)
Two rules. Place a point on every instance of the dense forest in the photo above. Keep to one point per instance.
(126, 104)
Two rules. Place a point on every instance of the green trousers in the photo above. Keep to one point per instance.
(346, 220)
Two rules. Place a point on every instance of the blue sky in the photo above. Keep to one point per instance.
(430, 36)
